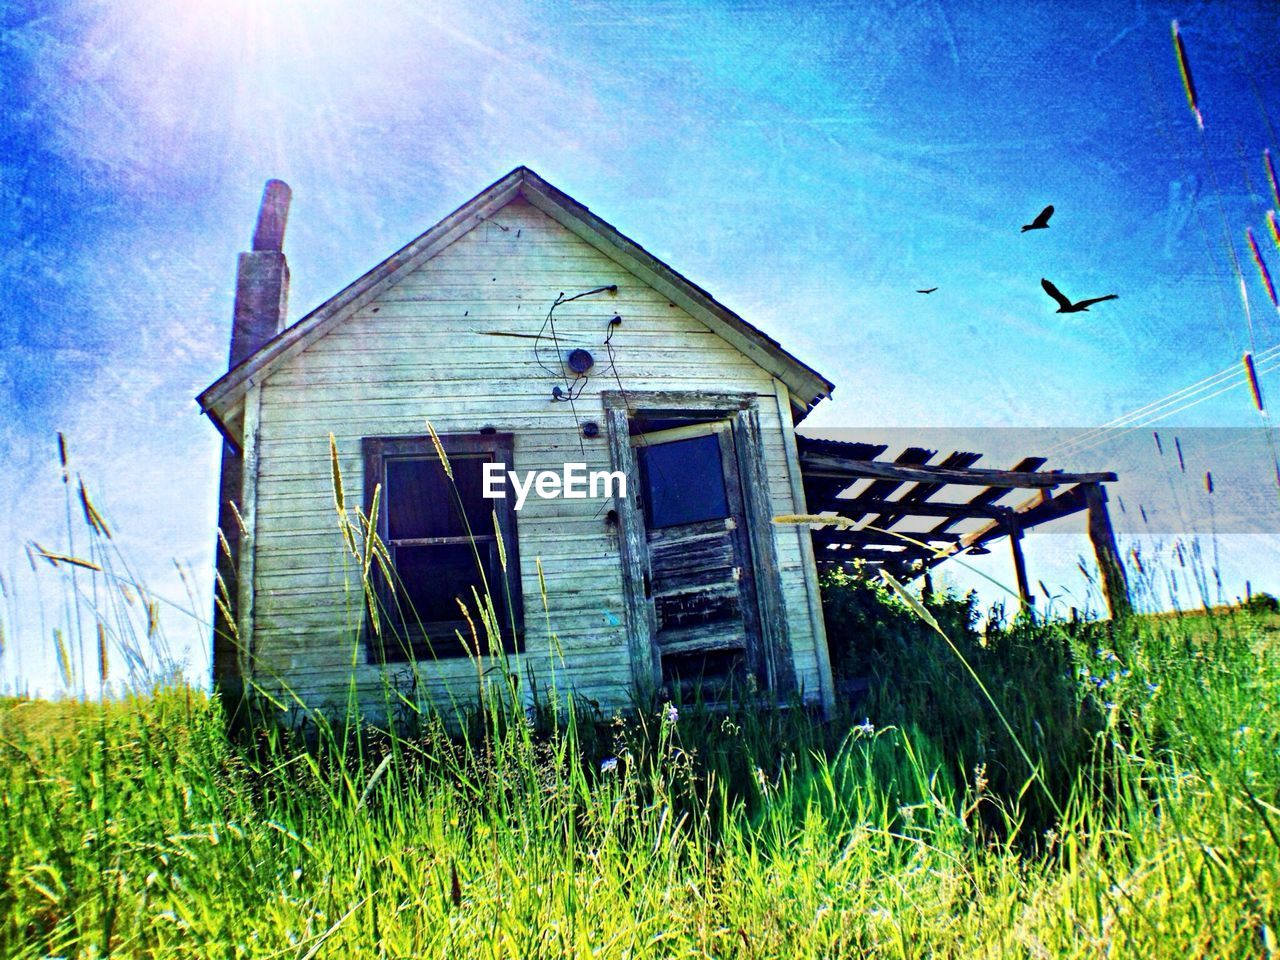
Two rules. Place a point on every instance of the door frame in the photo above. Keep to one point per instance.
(743, 412)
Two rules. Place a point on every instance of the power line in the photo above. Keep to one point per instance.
(1188, 396)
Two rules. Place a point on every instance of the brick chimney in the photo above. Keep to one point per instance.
(262, 296)
(262, 280)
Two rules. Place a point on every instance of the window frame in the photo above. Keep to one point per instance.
(404, 638)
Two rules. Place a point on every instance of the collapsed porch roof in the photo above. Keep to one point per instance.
(909, 514)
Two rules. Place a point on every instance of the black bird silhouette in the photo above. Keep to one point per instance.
(930, 290)
(1065, 305)
(1041, 222)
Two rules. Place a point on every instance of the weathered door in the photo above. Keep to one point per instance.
(700, 587)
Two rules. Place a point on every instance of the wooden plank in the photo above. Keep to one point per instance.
(826, 465)
(646, 670)
(922, 491)
(1020, 568)
(1032, 512)
(991, 494)
(885, 488)
(869, 552)
(228, 662)
(775, 632)
(748, 586)
(855, 449)
(476, 538)
(808, 568)
(477, 366)
(686, 432)
(1115, 585)
(884, 538)
(703, 639)
(681, 402)
(861, 506)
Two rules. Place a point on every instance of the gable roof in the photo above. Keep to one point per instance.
(805, 385)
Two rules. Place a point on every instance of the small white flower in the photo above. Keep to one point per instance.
(866, 728)
(609, 765)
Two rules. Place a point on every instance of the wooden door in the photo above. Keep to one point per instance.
(700, 584)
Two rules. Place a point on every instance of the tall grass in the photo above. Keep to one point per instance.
(913, 826)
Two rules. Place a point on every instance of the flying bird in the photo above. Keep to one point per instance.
(1041, 222)
(930, 290)
(1065, 305)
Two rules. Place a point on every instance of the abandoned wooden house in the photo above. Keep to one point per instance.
(660, 426)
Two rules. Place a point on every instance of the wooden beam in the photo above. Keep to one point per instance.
(1031, 513)
(923, 491)
(822, 464)
(1020, 567)
(1115, 585)
(861, 506)
(885, 487)
(249, 538)
(880, 547)
(885, 538)
(991, 494)
(1053, 508)
(841, 448)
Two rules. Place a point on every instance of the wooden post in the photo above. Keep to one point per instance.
(1115, 585)
(1020, 567)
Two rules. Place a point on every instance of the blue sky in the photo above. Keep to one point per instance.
(811, 167)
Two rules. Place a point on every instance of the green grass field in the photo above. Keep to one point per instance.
(1149, 826)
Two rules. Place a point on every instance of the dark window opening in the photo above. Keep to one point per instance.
(683, 482)
(439, 533)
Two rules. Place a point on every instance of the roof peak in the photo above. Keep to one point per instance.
(805, 385)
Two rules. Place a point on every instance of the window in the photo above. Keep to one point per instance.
(683, 481)
(423, 518)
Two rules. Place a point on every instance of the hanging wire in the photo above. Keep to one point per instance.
(550, 321)
(614, 323)
(641, 439)
(572, 388)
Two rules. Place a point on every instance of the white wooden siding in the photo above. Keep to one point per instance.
(421, 350)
